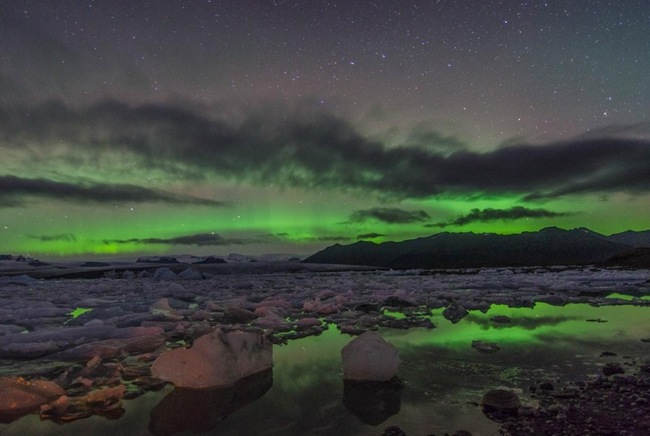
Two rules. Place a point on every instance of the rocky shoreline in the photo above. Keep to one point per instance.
(608, 405)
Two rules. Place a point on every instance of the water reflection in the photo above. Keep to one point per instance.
(373, 402)
(444, 377)
(201, 410)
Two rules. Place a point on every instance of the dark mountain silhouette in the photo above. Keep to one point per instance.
(549, 246)
(639, 258)
(630, 237)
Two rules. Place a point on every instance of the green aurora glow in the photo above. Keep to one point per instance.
(289, 224)
(378, 122)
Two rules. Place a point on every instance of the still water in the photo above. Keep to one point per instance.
(443, 378)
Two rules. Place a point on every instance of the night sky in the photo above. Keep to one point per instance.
(259, 126)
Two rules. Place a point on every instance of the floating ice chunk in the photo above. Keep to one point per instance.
(100, 401)
(319, 307)
(369, 357)
(162, 307)
(164, 274)
(215, 359)
(190, 274)
(21, 279)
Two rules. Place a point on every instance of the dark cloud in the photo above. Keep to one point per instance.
(388, 215)
(325, 238)
(333, 238)
(308, 149)
(370, 236)
(428, 138)
(200, 239)
(486, 215)
(284, 236)
(13, 190)
(65, 237)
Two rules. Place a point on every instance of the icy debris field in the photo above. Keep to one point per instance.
(473, 327)
(72, 320)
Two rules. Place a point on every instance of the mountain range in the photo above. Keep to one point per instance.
(548, 246)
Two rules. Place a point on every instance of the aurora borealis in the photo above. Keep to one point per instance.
(210, 127)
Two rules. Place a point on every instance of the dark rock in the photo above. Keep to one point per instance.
(367, 307)
(407, 323)
(37, 263)
(553, 300)
(161, 259)
(501, 319)
(92, 264)
(235, 314)
(500, 403)
(546, 386)
(485, 347)
(395, 301)
(613, 368)
(210, 260)
(393, 430)
(455, 312)
(353, 330)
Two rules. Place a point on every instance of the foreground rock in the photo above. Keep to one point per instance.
(500, 403)
(369, 357)
(615, 405)
(215, 359)
(19, 397)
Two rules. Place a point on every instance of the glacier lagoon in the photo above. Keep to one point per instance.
(443, 377)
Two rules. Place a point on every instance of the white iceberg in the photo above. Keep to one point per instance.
(369, 357)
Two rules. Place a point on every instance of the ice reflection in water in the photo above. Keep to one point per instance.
(201, 410)
(444, 378)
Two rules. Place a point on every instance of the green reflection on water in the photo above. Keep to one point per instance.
(531, 326)
(79, 311)
(444, 377)
(627, 297)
